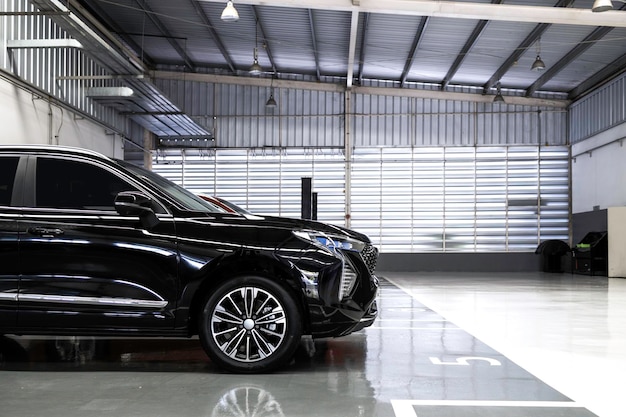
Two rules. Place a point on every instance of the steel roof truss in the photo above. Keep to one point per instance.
(411, 57)
(366, 19)
(314, 41)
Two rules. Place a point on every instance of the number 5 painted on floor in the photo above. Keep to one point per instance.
(464, 361)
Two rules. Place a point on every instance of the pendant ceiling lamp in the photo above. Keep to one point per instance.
(229, 14)
(498, 98)
(256, 69)
(604, 5)
(538, 65)
(271, 102)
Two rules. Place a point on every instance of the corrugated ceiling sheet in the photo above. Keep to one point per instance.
(607, 50)
(440, 48)
(389, 41)
(333, 46)
(289, 36)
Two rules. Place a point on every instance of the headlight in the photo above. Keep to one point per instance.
(329, 241)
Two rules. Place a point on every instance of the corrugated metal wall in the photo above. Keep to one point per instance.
(406, 199)
(238, 117)
(600, 110)
(48, 68)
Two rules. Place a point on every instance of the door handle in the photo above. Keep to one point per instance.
(45, 232)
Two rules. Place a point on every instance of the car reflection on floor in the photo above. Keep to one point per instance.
(90, 353)
(331, 369)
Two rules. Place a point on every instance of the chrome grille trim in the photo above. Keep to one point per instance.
(348, 279)
(369, 254)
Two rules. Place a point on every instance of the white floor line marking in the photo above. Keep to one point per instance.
(412, 328)
(405, 408)
(414, 320)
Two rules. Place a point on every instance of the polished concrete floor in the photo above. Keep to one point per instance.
(445, 345)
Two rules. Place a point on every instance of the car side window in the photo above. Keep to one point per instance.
(62, 183)
(8, 167)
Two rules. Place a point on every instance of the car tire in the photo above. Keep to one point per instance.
(250, 324)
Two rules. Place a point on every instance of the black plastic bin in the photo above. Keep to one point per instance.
(590, 255)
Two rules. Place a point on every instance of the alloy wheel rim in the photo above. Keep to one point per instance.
(248, 324)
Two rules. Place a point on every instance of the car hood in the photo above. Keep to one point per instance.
(300, 224)
(256, 222)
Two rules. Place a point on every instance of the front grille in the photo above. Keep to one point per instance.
(370, 257)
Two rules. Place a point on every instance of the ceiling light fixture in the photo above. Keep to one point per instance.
(498, 98)
(230, 13)
(271, 102)
(538, 65)
(604, 5)
(256, 69)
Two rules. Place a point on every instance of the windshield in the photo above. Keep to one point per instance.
(184, 198)
(233, 206)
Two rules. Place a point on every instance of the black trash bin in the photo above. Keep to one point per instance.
(591, 254)
(552, 252)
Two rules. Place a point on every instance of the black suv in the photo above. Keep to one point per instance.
(95, 246)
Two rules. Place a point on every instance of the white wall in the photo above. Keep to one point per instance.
(617, 242)
(28, 119)
(599, 171)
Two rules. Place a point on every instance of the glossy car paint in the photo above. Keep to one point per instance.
(98, 272)
(9, 270)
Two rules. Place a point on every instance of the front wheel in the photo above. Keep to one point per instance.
(250, 324)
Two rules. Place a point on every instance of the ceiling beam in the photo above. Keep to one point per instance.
(215, 36)
(354, 34)
(366, 19)
(314, 42)
(469, 44)
(574, 53)
(411, 57)
(43, 43)
(337, 88)
(457, 10)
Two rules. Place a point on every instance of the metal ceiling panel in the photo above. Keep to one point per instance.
(440, 46)
(495, 45)
(289, 36)
(601, 54)
(333, 40)
(555, 43)
(314, 39)
(389, 41)
(187, 28)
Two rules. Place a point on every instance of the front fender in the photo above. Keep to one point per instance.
(235, 264)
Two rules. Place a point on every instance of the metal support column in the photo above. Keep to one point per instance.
(348, 153)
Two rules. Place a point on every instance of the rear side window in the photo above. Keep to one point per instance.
(8, 167)
(61, 183)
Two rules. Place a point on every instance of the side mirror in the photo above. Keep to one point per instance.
(134, 203)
